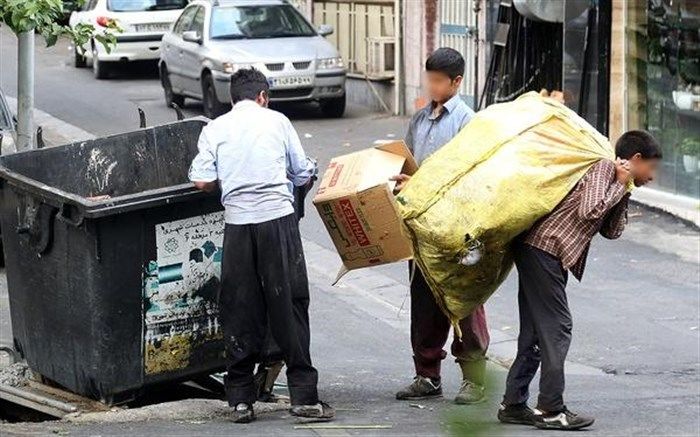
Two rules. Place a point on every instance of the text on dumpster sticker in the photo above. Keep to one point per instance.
(181, 316)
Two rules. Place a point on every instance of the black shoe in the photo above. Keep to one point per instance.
(320, 412)
(564, 420)
(420, 388)
(243, 413)
(519, 414)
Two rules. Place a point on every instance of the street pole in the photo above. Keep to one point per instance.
(25, 91)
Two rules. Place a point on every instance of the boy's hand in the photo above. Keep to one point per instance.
(401, 181)
(623, 171)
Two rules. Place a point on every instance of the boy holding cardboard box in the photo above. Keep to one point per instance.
(430, 129)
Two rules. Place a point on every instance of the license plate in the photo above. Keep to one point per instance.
(290, 81)
(152, 27)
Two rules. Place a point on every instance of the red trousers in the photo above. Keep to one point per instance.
(430, 328)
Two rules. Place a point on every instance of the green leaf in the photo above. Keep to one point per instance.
(43, 16)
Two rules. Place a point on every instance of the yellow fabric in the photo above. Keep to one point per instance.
(511, 165)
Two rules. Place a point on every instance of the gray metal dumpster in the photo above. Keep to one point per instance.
(113, 261)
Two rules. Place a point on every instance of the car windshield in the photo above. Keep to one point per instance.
(145, 5)
(271, 21)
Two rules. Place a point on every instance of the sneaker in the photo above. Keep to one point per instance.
(420, 388)
(519, 414)
(470, 393)
(243, 413)
(320, 412)
(564, 420)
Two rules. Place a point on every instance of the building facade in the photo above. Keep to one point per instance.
(658, 64)
(625, 64)
(385, 44)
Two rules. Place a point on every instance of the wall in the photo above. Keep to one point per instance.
(414, 46)
(355, 22)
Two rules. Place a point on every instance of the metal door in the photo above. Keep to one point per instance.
(457, 22)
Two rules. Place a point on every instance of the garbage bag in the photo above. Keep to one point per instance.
(509, 166)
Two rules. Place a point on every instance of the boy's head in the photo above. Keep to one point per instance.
(643, 153)
(249, 84)
(444, 70)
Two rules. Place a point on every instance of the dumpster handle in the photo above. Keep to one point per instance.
(71, 214)
(38, 229)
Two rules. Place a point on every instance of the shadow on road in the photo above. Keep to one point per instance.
(134, 70)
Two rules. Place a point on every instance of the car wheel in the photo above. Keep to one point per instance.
(333, 108)
(170, 96)
(79, 60)
(212, 107)
(100, 69)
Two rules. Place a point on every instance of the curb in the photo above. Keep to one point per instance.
(55, 131)
(684, 209)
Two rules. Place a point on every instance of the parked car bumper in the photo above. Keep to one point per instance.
(325, 85)
(132, 48)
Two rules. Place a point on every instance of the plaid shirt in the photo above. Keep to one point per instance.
(598, 203)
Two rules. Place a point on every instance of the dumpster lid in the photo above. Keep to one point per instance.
(113, 174)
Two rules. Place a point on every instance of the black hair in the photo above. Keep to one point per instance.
(246, 84)
(446, 60)
(638, 141)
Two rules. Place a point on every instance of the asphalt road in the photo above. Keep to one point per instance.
(635, 358)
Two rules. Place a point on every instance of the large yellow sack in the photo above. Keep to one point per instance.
(511, 165)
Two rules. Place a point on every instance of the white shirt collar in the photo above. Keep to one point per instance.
(246, 103)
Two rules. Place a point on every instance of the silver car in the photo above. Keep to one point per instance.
(212, 39)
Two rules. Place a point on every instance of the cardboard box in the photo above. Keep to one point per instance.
(356, 202)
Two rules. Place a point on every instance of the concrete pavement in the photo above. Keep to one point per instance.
(634, 361)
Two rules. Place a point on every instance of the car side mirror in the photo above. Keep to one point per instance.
(192, 36)
(325, 29)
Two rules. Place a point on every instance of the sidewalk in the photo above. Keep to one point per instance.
(682, 207)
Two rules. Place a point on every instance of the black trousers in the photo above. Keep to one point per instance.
(545, 329)
(264, 285)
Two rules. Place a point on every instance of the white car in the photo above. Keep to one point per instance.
(211, 40)
(143, 23)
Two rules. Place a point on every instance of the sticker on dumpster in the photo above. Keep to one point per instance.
(180, 288)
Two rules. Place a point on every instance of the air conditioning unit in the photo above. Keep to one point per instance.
(380, 57)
